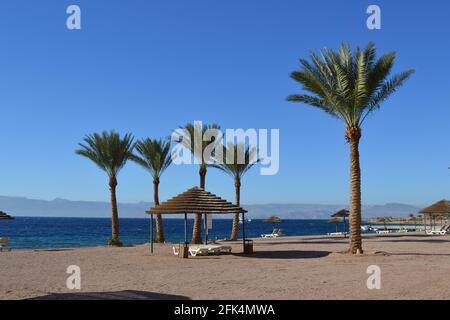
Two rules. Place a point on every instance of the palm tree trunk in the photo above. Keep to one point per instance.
(197, 231)
(353, 135)
(115, 213)
(235, 229)
(159, 221)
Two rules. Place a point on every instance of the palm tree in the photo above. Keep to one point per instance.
(244, 158)
(154, 156)
(195, 133)
(349, 86)
(110, 153)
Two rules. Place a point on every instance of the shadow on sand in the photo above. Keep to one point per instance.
(290, 254)
(117, 295)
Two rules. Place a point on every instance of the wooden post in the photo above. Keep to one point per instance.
(206, 228)
(151, 232)
(345, 236)
(243, 231)
(185, 228)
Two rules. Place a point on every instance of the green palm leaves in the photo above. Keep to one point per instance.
(153, 155)
(107, 150)
(193, 139)
(238, 159)
(348, 85)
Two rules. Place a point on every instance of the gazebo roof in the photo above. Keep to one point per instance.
(439, 208)
(4, 216)
(340, 214)
(196, 200)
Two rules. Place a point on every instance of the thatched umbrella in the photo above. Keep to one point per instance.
(341, 214)
(440, 208)
(4, 216)
(198, 201)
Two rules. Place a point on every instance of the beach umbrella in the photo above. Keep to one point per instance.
(344, 213)
(198, 201)
(440, 208)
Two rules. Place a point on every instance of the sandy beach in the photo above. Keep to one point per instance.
(413, 266)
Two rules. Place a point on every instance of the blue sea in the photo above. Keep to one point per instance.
(41, 233)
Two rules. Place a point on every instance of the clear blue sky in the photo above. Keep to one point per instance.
(147, 67)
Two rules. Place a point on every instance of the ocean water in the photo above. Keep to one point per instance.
(40, 233)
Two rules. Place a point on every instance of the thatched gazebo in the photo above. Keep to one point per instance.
(341, 214)
(195, 201)
(439, 209)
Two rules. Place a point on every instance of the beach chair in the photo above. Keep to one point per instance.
(441, 232)
(333, 234)
(175, 250)
(225, 249)
(4, 244)
(275, 234)
(383, 231)
(198, 250)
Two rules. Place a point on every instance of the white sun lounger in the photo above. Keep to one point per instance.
(270, 235)
(337, 233)
(203, 250)
(383, 231)
(275, 234)
(436, 232)
(4, 244)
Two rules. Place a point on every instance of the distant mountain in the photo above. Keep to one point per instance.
(318, 211)
(20, 206)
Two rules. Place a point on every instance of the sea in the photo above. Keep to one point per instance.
(45, 232)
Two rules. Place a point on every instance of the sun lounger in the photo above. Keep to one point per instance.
(383, 231)
(441, 232)
(332, 234)
(4, 244)
(203, 250)
(275, 234)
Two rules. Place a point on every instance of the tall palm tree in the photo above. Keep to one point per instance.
(349, 86)
(154, 156)
(110, 153)
(193, 141)
(244, 158)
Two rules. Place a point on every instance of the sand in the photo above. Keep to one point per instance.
(413, 266)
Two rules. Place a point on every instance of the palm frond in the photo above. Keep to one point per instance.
(237, 159)
(347, 84)
(153, 155)
(192, 139)
(107, 150)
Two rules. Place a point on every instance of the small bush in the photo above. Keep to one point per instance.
(115, 242)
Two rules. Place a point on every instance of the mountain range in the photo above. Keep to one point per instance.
(21, 206)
